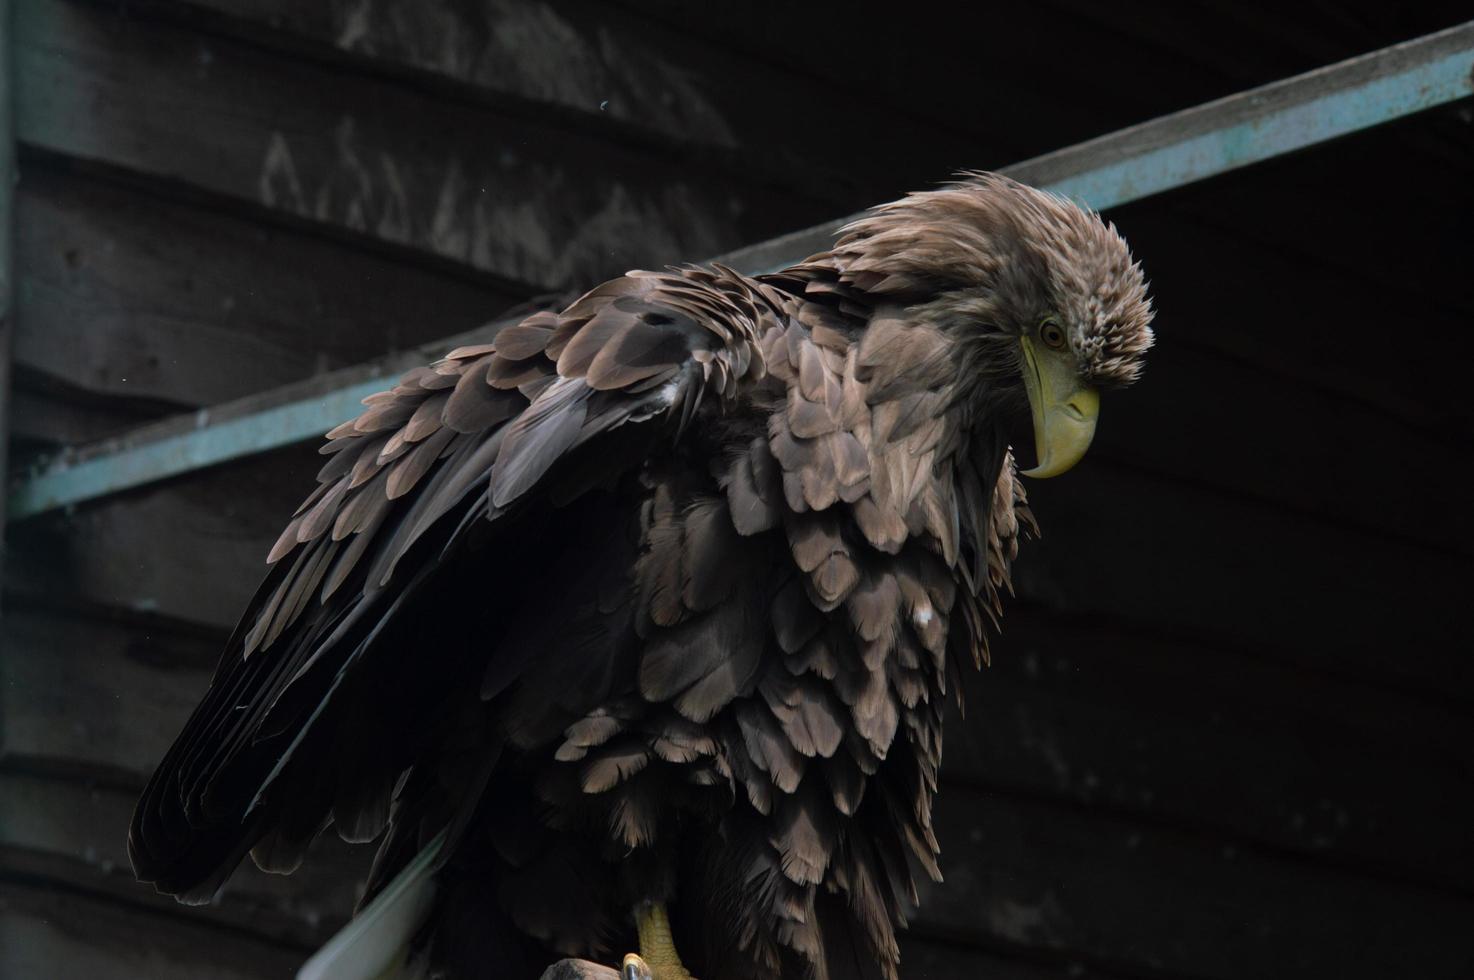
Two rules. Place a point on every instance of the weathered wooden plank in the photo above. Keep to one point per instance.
(647, 79)
(63, 935)
(194, 549)
(1357, 233)
(966, 77)
(66, 830)
(123, 293)
(104, 693)
(532, 200)
(1261, 431)
(1152, 901)
(1299, 313)
(1145, 723)
(589, 59)
(1240, 54)
(1290, 586)
(46, 414)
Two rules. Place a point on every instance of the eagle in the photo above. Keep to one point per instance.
(629, 632)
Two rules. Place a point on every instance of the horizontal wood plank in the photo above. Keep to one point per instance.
(1244, 287)
(965, 77)
(122, 293)
(46, 415)
(1355, 234)
(531, 201)
(1152, 726)
(1253, 430)
(102, 693)
(612, 70)
(1152, 902)
(193, 549)
(591, 60)
(71, 831)
(1181, 556)
(62, 934)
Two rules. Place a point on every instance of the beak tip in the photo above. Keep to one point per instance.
(1044, 471)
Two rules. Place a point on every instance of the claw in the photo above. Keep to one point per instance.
(635, 968)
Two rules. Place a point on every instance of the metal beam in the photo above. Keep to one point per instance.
(1127, 165)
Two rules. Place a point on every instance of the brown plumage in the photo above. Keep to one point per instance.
(658, 598)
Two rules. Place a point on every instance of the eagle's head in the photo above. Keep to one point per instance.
(1039, 296)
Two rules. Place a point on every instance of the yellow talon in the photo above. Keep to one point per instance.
(635, 968)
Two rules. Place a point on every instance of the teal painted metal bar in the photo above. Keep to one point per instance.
(1265, 123)
(1156, 156)
(209, 444)
(1273, 134)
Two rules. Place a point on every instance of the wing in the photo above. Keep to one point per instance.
(456, 454)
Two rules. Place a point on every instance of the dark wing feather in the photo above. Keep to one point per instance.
(457, 446)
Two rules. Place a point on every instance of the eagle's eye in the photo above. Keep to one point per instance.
(1052, 334)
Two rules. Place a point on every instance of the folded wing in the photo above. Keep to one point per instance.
(330, 681)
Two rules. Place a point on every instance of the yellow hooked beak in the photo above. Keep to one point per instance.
(1064, 408)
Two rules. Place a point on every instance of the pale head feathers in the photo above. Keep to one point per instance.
(991, 254)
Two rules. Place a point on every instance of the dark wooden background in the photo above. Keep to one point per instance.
(1228, 731)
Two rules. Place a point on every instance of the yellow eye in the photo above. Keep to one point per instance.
(1052, 334)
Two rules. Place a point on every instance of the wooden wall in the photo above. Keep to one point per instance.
(1228, 729)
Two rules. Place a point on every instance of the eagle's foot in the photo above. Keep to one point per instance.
(657, 959)
(635, 968)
